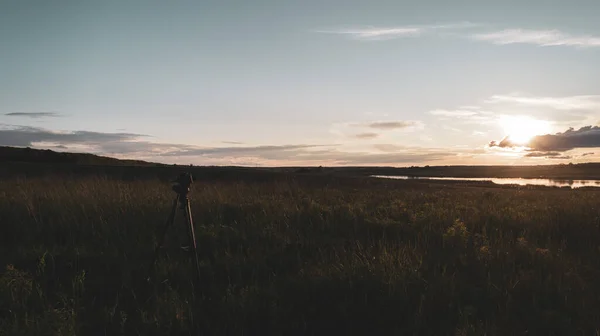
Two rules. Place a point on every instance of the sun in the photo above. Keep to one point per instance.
(520, 129)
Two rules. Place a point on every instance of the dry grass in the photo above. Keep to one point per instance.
(299, 258)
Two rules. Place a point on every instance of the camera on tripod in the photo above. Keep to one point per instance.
(183, 185)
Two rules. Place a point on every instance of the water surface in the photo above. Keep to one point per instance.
(506, 180)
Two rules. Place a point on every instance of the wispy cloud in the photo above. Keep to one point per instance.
(581, 102)
(388, 159)
(380, 33)
(389, 147)
(366, 135)
(453, 113)
(375, 128)
(537, 37)
(543, 154)
(450, 128)
(391, 125)
(128, 145)
(562, 111)
(33, 114)
(246, 150)
(388, 33)
(465, 115)
(541, 37)
(548, 155)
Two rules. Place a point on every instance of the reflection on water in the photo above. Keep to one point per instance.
(503, 180)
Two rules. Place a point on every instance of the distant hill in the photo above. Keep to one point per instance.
(46, 156)
(31, 162)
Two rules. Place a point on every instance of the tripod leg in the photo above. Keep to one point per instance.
(169, 222)
(192, 235)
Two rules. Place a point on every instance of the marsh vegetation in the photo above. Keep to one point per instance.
(299, 256)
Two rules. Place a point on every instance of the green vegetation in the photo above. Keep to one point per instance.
(300, 255)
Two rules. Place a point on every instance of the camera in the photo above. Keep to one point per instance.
(183, 183)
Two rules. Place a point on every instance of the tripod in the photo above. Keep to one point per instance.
(182, 188)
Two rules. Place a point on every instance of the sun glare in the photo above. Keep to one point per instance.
(520, 129)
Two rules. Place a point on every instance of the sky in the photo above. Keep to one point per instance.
(304, 83)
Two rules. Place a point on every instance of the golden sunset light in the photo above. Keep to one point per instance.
(521, 129)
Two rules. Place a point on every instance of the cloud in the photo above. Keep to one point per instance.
(137, 147)
(390, 155)
(548, 155)
(304, 154)
(366, 135)
(388, 33)
(134, 146)
(581, 102)
(389, 147)
(561, 111)
(24, 136)
(390, 125)
(33, 114)
(265, 150)
(374, 128)
(585, 137)
(504, 143)
(549, 37)
(380, 33)
(232, 142)
(537, 37)
(450, 128)
(466, 115)
(342, 158)
(453, 113)
(543, 154)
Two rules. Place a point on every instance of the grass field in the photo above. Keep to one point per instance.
(299, 257)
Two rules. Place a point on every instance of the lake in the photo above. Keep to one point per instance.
(503, 180)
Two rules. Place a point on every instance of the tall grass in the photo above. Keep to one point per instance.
(293, 257)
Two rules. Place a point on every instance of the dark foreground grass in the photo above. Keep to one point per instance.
(291, 257)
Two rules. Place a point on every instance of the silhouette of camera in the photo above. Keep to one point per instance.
(183, 183)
